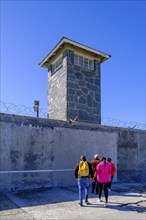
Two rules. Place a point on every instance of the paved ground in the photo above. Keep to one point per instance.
(127, 201)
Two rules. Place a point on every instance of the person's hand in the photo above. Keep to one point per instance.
(92, 180)
(77, 180)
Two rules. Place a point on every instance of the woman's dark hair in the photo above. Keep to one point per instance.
(104, 160)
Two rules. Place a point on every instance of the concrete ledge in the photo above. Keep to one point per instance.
(50, 123)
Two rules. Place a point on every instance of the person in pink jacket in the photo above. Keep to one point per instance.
(103, 172)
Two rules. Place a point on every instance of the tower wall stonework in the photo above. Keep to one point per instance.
(74, 91)
(83, 91)
(57, 96)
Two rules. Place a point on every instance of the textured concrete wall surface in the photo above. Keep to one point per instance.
(131, 156)
(74, 91)
(43, 153)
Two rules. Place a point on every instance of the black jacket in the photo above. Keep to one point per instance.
(77, 169)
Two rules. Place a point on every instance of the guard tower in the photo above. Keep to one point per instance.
(74, 81)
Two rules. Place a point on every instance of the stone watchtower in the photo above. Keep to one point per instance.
(74, 81)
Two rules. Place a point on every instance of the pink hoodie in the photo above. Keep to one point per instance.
(103, 173)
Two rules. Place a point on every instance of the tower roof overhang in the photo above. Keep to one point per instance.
(75, 45)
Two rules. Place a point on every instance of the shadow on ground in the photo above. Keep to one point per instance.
(37, 197)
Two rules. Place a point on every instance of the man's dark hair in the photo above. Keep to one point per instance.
(83, 158)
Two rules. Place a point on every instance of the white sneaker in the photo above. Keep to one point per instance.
(99, 200)
(105, 204)
(109, 190)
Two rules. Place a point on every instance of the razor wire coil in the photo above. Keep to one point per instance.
(10, 108)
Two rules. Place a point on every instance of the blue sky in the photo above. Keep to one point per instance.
(30, 29)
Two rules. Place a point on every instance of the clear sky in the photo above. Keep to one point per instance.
(30, 29)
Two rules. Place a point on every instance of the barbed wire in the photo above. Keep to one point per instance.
(118, 123)
(10, 108)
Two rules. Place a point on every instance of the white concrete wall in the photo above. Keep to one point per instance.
(42, 150)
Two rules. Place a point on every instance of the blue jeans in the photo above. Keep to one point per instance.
(83, 184)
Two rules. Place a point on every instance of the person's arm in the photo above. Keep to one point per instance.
(114, 168)
(76, 171)
(97, 169)
(90, 170)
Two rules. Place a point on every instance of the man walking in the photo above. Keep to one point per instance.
(83, 175)
(94, 164)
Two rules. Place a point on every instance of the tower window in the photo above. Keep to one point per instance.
(57, 64)
(83, 62)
